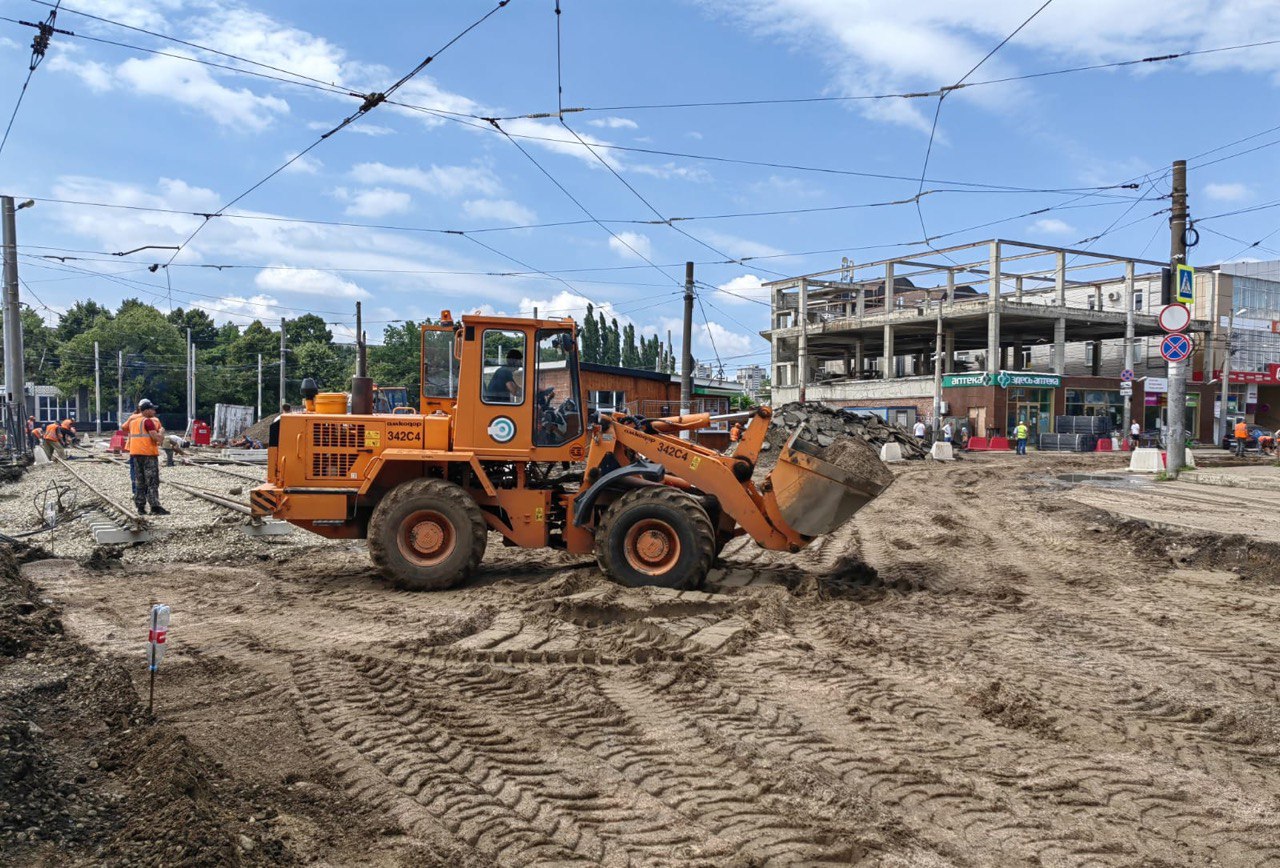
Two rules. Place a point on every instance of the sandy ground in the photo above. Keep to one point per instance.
(979, 671)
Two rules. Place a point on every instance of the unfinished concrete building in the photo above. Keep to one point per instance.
(1005, 331)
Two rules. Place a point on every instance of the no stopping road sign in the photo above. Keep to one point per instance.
(1176, 347)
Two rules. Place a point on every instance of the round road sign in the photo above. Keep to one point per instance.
(1176, 347)
(1126, 376)
(1175, 317)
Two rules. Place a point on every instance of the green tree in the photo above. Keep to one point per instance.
(590, 337)
(307, 329)
(154, 352)
(79, 318)
(395, 363)
(329, 365)
(613, 344)
(630, 352)
(204, 332)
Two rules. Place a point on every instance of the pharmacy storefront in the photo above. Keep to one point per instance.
(995, 405)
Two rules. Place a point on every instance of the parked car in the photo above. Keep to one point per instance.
(1255, 431)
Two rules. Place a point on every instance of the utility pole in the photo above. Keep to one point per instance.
(1176, 447)
(119, 388)
(686, 358)
(281, 403)
(259, 413)
(14, 381)
(361, 358)
(97, 392)
(1226, 370)
(191, 378)
(937, 362)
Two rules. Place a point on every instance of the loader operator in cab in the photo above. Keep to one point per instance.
(504, 387)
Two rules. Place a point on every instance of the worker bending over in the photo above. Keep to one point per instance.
(57, 437)
(145, 436)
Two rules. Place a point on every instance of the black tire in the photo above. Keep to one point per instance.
(431, 513)
(656, 536)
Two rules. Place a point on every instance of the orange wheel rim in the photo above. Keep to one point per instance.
(652, 547)
(427, 538)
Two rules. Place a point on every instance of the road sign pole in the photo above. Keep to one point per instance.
(1184, 281)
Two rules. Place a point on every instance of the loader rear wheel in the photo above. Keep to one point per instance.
(655, 536)
(427, 535)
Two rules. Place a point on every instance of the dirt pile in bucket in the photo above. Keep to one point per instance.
(822, 425)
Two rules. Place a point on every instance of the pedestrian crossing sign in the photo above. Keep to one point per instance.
(1186, 285)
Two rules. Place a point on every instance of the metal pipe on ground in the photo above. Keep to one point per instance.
(216, 499)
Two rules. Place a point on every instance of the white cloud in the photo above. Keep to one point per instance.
(499, 210)
(1227, 192)
(304, 165)
(570, 304)
(375, 202)
(1052, 226)
(437, 180)
(194, 87)
(897, 47)
(362, 127)
(260, 307)
(308, 281)
(712, 340)
(148, 15)
(614, 123)
(733, 245)
(742, 290)
(631, 245)
(95, 76)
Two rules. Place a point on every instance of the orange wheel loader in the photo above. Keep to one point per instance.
(503, 442)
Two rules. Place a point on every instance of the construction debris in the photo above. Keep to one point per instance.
(821, 425)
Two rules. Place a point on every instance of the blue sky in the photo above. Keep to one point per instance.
(112, 125)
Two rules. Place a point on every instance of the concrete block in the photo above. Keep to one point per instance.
(111, 534)
(891, 452)
(270, 527)
(1146, 461)
(942, 452)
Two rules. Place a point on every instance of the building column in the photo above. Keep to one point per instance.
(1060, 279)
(886, 364)
(993, 313)
(862, 300)
(888, 287)
(802, 351)
(949, 351)
(848, 361)
(857, 355)
(1017, 288)
(1018, 363)
(1060, 346)
(1004, 358)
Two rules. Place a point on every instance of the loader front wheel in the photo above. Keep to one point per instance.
(427, 535)
(655, 536)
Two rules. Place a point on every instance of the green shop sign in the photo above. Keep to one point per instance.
(1004, 379)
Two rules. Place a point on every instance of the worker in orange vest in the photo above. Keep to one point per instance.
(56, 438)
(145, 436)
(1242, 437)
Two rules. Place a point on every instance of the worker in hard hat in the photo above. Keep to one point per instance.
(145, 436)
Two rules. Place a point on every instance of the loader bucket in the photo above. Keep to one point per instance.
(815, 496)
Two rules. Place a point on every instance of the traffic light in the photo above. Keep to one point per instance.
(1166, 286)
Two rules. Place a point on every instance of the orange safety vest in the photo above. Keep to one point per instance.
(51, 432)
(735, 433)
(140, 442)
(1242, 431)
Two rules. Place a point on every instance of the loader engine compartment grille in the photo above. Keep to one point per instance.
(337, 435)
(328, 465)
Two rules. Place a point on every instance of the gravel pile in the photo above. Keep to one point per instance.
(822, 425)
(196, 532)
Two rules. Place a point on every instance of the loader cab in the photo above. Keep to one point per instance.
(519, 392)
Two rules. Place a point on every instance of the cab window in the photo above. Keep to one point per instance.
(559, 416)
(502, 377)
